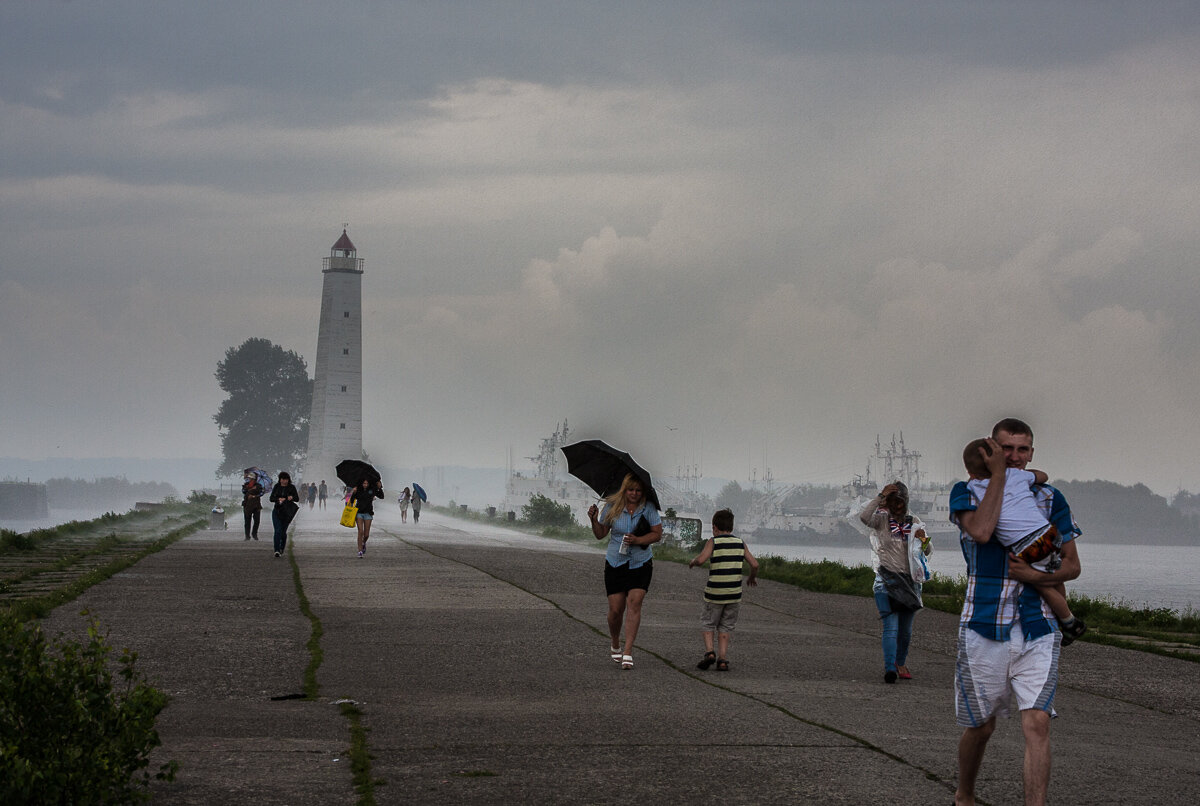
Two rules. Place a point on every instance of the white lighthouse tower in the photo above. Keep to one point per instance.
(335, 426)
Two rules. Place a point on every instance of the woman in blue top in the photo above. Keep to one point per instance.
(629, 561)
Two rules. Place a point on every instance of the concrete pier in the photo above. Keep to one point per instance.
(478, 658)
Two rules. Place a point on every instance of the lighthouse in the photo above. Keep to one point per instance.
(335, 426)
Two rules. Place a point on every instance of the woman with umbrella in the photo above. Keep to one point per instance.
(363, 497)
(632, 525)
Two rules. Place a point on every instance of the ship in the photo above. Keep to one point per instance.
(548, 478)
(790, 515)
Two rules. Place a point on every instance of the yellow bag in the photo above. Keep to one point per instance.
(348, 515)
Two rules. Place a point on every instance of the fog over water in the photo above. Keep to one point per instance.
(732, 236)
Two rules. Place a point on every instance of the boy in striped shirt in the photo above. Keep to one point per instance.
(723, 593)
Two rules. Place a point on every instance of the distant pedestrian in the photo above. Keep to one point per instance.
(252, 493)
(286, 498)
(323, 493)
(416, 505)
(725, 552)
(405, 500)
(898, 545)
(312, 495)
(632, 525)
(363, 497)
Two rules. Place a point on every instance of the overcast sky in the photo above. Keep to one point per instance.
(740, 235)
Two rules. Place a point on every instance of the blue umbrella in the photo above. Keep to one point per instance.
(263, 478)
(417, 491)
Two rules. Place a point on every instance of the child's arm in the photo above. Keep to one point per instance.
(702, 557)
(1039, 476)
(752, 580)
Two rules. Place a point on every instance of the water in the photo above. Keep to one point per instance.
(56, 517)
(1135, 576)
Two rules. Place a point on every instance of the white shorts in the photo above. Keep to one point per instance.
(991, 673)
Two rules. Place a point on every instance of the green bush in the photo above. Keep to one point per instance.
(67, 734)
(541, 511)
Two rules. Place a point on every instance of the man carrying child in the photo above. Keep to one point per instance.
(1008, 644)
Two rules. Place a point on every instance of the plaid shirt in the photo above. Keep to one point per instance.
(994, 601)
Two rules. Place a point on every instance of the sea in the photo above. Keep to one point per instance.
(1134, 576)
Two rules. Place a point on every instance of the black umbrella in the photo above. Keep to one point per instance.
(353, 471)
(603, 468)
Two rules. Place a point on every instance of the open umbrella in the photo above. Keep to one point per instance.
(353, 471)
(603, 468)
(419, 492)
(261, 476)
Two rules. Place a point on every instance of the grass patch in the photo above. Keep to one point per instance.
(359, 752)
(316, 655)
(40, 606)
(360, 756)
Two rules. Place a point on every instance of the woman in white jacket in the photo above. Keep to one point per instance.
(899, 545)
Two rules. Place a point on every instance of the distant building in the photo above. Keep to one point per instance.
(335, 426)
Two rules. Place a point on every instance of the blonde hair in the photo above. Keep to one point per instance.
(616, 502)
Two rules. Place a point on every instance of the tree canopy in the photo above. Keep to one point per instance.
(264, 421)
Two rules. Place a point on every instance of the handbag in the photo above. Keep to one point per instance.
(348, 515)
(901, 589)
(642, 527)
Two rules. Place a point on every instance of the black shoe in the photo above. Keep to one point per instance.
(1072, 630)
(889, 676)
(709, 659)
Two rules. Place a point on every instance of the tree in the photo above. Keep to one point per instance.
(264, 421)
(542, 511)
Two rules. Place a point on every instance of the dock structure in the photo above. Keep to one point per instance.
(475, 661)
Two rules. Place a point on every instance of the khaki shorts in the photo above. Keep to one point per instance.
(990, 674)
(719, 617)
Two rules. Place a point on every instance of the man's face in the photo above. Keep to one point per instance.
(1018, 448)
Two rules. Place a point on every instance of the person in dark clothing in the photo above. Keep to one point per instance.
(286, 498)
(363, 497)
(252, 493)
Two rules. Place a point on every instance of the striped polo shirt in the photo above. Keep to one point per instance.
(725, 570)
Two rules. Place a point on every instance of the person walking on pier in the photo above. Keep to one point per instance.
(898, 548)
(252, 493)
(632, 525)
(725, 552)
(363, 497)
(286, 498)
(405, 500)
(1008, 641)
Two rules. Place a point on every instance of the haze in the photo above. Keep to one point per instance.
(735, 236)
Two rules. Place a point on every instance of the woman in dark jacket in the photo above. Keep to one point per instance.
(286, 498)
(363, 497)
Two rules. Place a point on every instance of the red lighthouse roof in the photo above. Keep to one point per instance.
(344, 243)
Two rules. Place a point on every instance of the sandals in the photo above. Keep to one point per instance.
(1069, 634)
(709, 659)
(722, 665)
(615, 653)
(627, 661)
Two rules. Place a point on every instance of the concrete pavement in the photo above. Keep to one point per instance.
(479, 660)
